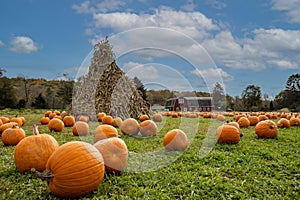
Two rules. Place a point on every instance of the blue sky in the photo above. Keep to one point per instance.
(236, 42)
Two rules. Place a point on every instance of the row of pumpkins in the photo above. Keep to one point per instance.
(76, 168)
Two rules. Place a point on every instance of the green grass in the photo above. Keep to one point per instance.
(252, 169)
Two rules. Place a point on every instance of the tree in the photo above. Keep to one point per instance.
(271, 106)
(293, 83)
(7, 95)
(65, 90)
(39, 102)
(140, 87)
(252, 98)
(219, 97)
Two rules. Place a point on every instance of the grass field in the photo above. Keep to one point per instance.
(252, 169)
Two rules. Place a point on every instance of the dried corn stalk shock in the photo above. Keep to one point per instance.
(106, 89)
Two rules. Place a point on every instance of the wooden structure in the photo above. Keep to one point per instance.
(189, 104)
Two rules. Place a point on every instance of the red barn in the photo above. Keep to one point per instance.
(189, 104)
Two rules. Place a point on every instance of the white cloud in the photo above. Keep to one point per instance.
(1, 43)
(189, 6)
(146, 73)
(93, 6)
(291, 7)
(212, 74)
(216, 4)
(22, 44)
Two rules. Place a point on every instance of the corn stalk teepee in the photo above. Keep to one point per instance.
(107, 89)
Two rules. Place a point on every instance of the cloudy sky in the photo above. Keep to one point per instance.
(176, 45)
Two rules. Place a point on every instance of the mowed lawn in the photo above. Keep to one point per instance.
(252, 169)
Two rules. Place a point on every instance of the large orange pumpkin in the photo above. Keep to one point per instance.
(56, 125)
(294, 121)
(18, 120)
(283, 123)
(4, 119)
(12, 136)
(114, 152)
(74, 170)
(253, 120)
(235, 124)
(34, 151)
(130, 127)
(175, 140)
(80, 128)
(69, 121)
(3, 127)
(266, 129)
(104, 131)
(227, 134)
(148, 128)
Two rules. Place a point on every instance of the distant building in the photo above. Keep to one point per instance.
(189, 104)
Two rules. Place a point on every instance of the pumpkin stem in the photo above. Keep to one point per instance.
(16, 125)
(35, 129)
(271, 127)
(44, 176)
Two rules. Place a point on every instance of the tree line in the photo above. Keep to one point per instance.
(22, 92)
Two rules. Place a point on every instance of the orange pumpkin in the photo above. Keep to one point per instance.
(227, 134)
(221, 117)
(143, 118)
(262, 117)
(58, 117)
(107, 120)
(52, 115)
(3, 127)
(117, 122)
(266, 129)
(104, 131)
(17, 120)
(34, 151)
(294, 121)
(100, 116)
(235, 124)
(80, 128)
(148, 128)
(244, 122)
(1, 123)
(45, 120)
(69, 121)
(63, 113)
(4, 119)
(73, 170)
(12, 136)
(130, 127)
(83, 118)
(157, 117)
(175, 140)
(283, 123)
(114, 152)
(253, 120)
(174, 115)
(56, 125)
(47, 113)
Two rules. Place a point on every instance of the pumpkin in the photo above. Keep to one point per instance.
(47, 113)
(253, 120)
(294, 121)
(262, 117)
(56, 112)
(114, 152)
(4, 119)
(283, 123)
(45, 120)
(227, 134)
(17, 120)
(63, 113)
(174, 115)
(157, 117)
(175, 140)
(33, 151)
(266, 129)
(117, 122)
(130, 127)
(1, 123)
(244, 122)
(12, 136)
(73, 170)
(148, 128)
(56, 125)
(3, 127)
(143, 118)
(58, 117)
(80, 128)
(83, 118)
(100, 116)
(107, 120)
(221, 117)
(69, 121)
(104, 131)
(52, 115)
